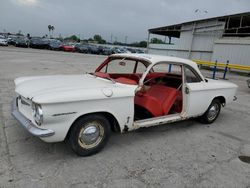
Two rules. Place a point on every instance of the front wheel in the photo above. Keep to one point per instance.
(89, 134)
(212, 112)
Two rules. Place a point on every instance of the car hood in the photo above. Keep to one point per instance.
(65, 88)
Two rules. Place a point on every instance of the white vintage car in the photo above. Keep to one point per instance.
(126, 92)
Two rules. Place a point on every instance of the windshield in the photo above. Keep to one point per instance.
(124, 66)
(124, 70)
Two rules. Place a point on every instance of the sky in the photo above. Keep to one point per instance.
(123, 20)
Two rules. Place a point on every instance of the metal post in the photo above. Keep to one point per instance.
(215, 67)
(148, 42)
(169, 68)
(192, 40)
(225, 71)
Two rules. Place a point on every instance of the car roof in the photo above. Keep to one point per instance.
(153, 59)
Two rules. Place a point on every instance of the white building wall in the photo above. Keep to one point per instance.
(193, 43)
(185, 40)
(236, 50)
(206, 43)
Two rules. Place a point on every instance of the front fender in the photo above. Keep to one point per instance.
(61, 116)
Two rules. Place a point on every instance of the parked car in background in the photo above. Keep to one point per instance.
(22, 42)
(54, 45)
(106, 51)
(12, 39)
(68, 47)
(132, 50)
(139, 51)
(93, 49)
(82, 48)
(119, 50)
(38, 43)
(126, 92)
(3, 41)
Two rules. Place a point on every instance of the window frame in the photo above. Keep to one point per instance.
(194, 72)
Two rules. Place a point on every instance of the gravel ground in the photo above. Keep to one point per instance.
(183, 154)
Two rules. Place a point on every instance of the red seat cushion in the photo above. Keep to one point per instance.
(102, 74)
(124, 80)
(158, 99)
(178, 103)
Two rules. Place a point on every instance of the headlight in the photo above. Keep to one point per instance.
(37, 113)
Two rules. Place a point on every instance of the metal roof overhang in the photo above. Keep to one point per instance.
(175, 30)
(171, 31)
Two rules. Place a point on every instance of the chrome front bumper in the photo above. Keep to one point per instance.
(27, 124)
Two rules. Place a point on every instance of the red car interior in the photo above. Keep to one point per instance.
(158, 99)
(163, 95)
(135, 77)
(124, 80)
(102, 74)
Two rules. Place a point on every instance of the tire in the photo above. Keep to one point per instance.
(212, 112)
(89, 134)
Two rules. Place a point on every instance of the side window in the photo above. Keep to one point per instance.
(141, 68)
(175, 69)
(168, 68)
(161, 67)
(190, 76)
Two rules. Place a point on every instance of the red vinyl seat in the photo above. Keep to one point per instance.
(124, 80)
(158, 99)
(102, 74)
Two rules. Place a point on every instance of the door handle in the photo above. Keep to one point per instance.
(186, 90)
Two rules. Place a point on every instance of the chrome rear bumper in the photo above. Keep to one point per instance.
(28, 125)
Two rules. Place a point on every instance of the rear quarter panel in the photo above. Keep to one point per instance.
(202, 94)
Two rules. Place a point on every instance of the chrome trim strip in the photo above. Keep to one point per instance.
(28, 125)
(63, 114)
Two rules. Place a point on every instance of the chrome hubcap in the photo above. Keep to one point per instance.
(213, 111)
(91, 135)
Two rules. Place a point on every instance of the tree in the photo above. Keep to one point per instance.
(49, 27)
(52, 29)
(90, 40)
(19, 33)
(99, 39)
(141, 44)
(73, 38)
(156, 41)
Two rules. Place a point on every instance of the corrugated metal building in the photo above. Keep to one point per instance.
(219, 38)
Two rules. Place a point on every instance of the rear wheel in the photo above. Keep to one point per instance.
(212, 112)
(89, 134)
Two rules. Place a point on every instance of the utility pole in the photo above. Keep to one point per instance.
(111, 39)
(126, 39)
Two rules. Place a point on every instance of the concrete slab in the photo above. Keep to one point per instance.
(184, 154)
